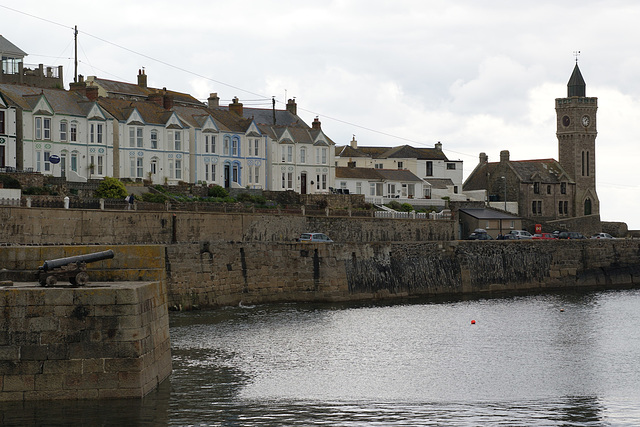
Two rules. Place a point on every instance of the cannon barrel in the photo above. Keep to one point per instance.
(94, 257)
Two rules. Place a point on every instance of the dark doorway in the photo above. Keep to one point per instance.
(303, 183)
(227, 176)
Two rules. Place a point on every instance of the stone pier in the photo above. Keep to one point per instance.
(103, 340)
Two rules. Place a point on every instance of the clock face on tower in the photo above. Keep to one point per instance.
(566, 121)
(585, 121)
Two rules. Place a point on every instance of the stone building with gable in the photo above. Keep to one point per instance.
(559, 193)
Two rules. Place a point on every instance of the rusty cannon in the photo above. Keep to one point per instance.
(73, 269)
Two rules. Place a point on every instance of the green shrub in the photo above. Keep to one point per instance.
(35, 191)
(244, 197)
(9, 181)
(406, 207)
(396, 206)
(217, 191)
(259, 200)
(154, 198)
(111, 188)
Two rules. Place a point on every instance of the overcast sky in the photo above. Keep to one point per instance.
(479, 76)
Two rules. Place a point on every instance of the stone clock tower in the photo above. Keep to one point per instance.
(576, 131)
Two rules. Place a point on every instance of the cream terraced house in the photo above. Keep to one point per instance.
(64, 124)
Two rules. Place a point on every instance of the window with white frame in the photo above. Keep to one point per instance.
(73, 132)
(46, 128)
(226, 145)
(317, 155)
(324, 156)
(100, 165)
(400, 165)
(177, 141)
(256, 178)
(74, 161)
(213, 144)
(290, 154)
(95, 133)
(47, 165)
(289, 179)
(391, 190)
(324, 181)
(234, 147)
(154, 139)
(284, 180)
(358, 188)
(303, 155)
(256, 147)
(43, 127)
(135, 137)
(207, 143)
(178, 169)
(2, 121)
(63, 131)
(38, 161)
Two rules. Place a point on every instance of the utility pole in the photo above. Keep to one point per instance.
(75, 40)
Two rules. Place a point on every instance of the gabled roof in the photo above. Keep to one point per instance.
(150, 112)
(547, 171)
(10, 50)
(61, 101)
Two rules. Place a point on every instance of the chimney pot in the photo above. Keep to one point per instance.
(504, 156)
(213, 100)
(142, 79)
(292, 107)
(438, 146)
(354, 143)
(484, 158)
(316, 125)
(236, 107)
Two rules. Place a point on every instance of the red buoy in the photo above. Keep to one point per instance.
(473, 322)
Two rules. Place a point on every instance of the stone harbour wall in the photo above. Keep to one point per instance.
(212, 274)
(40, 226)
(105, 340)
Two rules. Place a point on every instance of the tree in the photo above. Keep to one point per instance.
(111, 188)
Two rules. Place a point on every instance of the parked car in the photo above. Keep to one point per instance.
(521, 234)
(544, 236)
(479, 234)
(571, 235)
(314, 238)
(507, 236)
(602, 236)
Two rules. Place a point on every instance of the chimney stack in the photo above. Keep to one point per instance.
(504, 156)
(167, 101)
(213, 100)
(316, 124)
(142, 78)
(157, 98)
(292, 107)
(236, 107)
(354, 143)
(484, 158)
(438, 146)
(91, 92)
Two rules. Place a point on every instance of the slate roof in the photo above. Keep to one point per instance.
(439, 183)
(400, 152)
(264, 116)
(546, 171)
(134, 90)
(150, 112)
(485, 213)
(10, 50)
(399, 175)
(62, 101)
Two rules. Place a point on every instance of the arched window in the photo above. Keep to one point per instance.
(587, 207)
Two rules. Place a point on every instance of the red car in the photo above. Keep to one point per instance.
(544, 236)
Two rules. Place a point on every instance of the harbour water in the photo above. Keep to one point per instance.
(537, 360)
